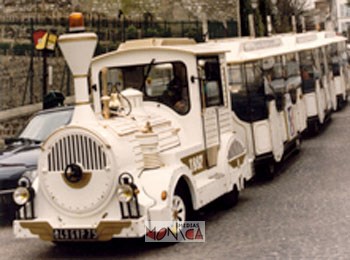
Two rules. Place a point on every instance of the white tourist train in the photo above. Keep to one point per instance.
(172, 126)
(158, 143)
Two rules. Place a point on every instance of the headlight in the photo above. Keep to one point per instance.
(31, 175)
(124, 193)
(21, 196)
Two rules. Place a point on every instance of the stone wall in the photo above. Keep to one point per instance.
(160, 9)
(14, 79)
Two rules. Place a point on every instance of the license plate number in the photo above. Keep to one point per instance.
(74, 234)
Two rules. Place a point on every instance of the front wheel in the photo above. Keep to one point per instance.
(181, 206)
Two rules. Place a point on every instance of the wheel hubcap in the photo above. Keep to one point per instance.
(178, 209)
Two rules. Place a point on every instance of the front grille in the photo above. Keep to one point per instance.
(76, 149)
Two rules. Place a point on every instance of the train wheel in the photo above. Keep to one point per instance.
(269, 171)
(181, 208)
(316, 128)
(230, 199)
(298, 144)
(178, 209)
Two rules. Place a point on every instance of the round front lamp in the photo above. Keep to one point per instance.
(124, 193)
(21, 196)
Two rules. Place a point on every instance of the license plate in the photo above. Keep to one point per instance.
(74, 234)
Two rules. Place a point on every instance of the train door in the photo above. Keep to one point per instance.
(213, 182)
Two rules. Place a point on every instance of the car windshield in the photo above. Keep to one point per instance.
(42, 125)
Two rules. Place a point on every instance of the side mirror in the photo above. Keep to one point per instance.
(192, 79)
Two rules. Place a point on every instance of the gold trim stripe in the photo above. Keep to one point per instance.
(43, 229)
(80, 76)
(74, 39)
(105, 229)
(236, 161)
(82, 103)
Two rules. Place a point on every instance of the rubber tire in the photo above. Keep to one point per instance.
(183, 192)
(230, 199)
(269, 171)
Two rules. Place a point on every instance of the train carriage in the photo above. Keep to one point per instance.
(322, 79)
(336, 50)
(150, 148)
(265, 95)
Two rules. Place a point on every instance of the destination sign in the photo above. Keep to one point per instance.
(262, 44)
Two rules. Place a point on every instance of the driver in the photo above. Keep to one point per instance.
(175, 94)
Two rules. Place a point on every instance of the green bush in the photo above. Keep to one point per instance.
(21, 49)
(5, 45)
(131, 32)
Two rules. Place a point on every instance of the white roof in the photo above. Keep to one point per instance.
(250, 49)
(175, 44)
(237, 50)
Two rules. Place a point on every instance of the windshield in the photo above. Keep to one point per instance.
(164, 82)
(42, 125)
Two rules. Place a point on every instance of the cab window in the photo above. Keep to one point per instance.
(165, 83)
(210, 81)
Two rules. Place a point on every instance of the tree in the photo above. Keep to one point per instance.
(287, 8)
(281, 14)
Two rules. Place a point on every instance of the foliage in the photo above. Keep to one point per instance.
(131, 32)
(281, 14)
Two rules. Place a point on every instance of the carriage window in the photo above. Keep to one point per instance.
(235, 79)
(307, 71)
(323, 63)
(248, 99)
(277, 69)
(238, 92)
(161, 82)
(209, 71)
(293, 79)
(274, 83)
(292, 66)
(307, 64)
(334, 59)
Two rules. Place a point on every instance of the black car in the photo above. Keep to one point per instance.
(21, 153)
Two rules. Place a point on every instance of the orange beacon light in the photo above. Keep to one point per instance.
(76, 22)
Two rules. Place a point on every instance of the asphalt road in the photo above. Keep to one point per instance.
(304, 213)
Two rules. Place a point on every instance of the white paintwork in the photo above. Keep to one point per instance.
(121, 145)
